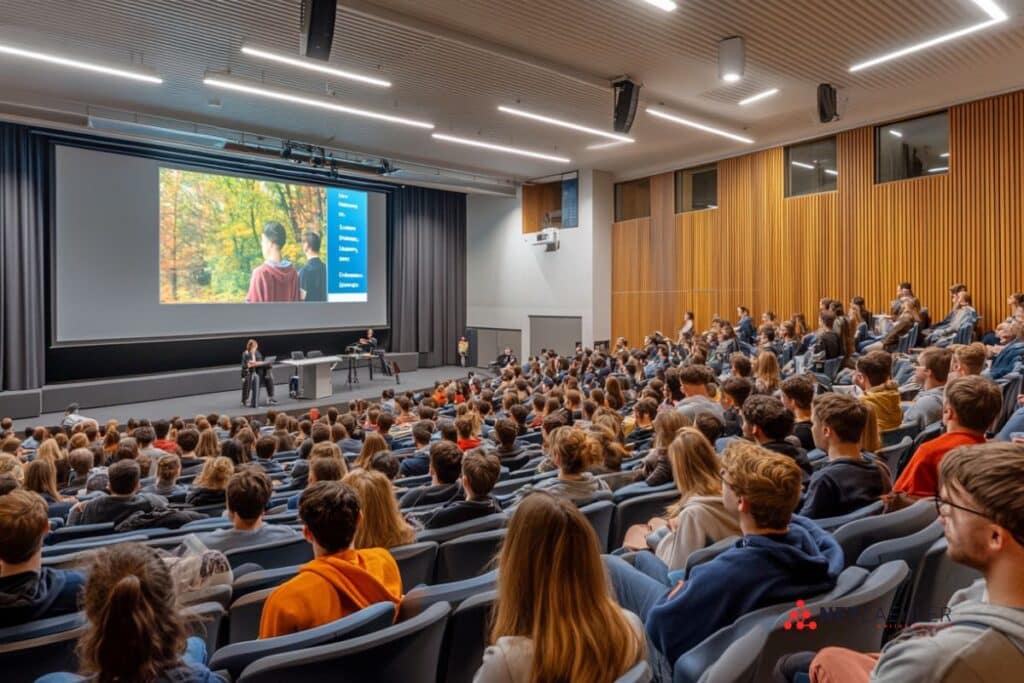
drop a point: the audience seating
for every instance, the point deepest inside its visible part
(640, 672)
(599, 514)
(27, 660)
(207, 618)
(416, 563)
(407, 652)
(496, 521)
(833, 523)
(896, 454)
(41, 627)
(1011, 389)
(219, 593)
(465, 638)
(244, 615)
(938, 577)
(79, 532)
(419, 599)
(690, 666)
(235, 657)
(707, 554)
(891, 437)
(638, 510)
(468, 555)
(272, 555)
(859, 535)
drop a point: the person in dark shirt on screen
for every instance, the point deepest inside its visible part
(313, 276)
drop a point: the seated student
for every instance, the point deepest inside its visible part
(160, 430)
(445, 468)
(735, 391)
(480, 472)
(520, 414)
(124, 498)
(573, 452)
(382, 523)
(696, 520)
(968, 359)
(931, 371)
(29, 591)
(188, 442)
(210, 487)
(386, 463)
(265, 448)
(979, 636)
(385, 421)
(781, 558)
(321, 468)
(972, 404)
(797, 394)
(873, 377)
(555, 618)
(41, 478)
(350, 444)
(340, 580)
(505, 432)
(465, 426)
(848, 481)
(136, 630)
(1011, 336)
(551, 423)
(644, 412)
(81, 461)
(248, 492)
(694, 380)
(767, 423)
(418, 463)
(168, 469)
(656, 468)
(827, 344)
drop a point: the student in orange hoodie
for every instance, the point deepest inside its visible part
(340, 580)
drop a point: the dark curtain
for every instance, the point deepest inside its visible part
(427, 273)
(24, 172)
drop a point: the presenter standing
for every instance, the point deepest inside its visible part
(250, 357)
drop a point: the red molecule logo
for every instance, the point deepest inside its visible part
(800, 619)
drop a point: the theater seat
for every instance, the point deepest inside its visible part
(419, 599)
(833, 523)
(416, 563)
(856, 536)
(465, 638)
(467, 556)
(27, 660)
(407, 652)
(272, 555)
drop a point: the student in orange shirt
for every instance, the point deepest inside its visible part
(971, 405)
(465, 427)
(340, 580)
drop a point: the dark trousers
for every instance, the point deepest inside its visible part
(247, 384)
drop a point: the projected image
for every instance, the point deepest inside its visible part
(229, 239)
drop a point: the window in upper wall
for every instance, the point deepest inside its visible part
(912, 148)
(697, 188)
(811, 167)
(633, 199)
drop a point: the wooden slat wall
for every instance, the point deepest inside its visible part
(766, 251)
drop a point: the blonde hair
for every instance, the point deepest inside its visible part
(666, 425)
(50, 450)
(383, 525)
(10, 466)
(695, 468)
(552, 588)
(769, 482)
(767, 372)
(373, 444)
(215, 474)
(574, 451)
(41, 477)
(209, 445)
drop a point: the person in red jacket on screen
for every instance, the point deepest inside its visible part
(276, 278)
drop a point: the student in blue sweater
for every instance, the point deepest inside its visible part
(780, 559)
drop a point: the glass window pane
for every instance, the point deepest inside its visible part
(696, 189)
(811, 167)
(633, 199)
(912, 148)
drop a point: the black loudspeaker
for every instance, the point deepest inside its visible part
(827, 103)
(626, 95)
(317, 28)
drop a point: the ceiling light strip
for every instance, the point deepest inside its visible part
(75, 63)
(699, 126)
(312, 65)
(667, 5)
(995, 14)
(498, 148)
(758, 96)
(563, 123)
(802, 165)
(261, 90)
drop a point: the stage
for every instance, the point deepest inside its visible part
(228, 402)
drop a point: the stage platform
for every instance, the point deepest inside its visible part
(228, 402)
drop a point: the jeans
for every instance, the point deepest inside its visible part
(651, 565)
(638, 592)
(1014, 424)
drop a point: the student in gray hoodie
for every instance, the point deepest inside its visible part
(982, 637)
(931, 372)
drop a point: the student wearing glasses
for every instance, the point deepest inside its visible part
(981, 636)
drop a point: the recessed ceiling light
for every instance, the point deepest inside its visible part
(731, 77)
(564, 124)
(938, 169)
(699, 126)
(831, 171)
(802, 164)
(989, 7)
(499, 148)
(606, 145)
(262, 90)
(667, 5)
(758, 96)
(312, 65)
(135, 74)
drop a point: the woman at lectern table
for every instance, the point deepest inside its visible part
(250, 357)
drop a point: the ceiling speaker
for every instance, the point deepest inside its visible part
(627, 94)
(827, 103)
(317, 28)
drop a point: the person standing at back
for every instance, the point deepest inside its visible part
(313, 276)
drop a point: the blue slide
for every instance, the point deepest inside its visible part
(346, 245)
